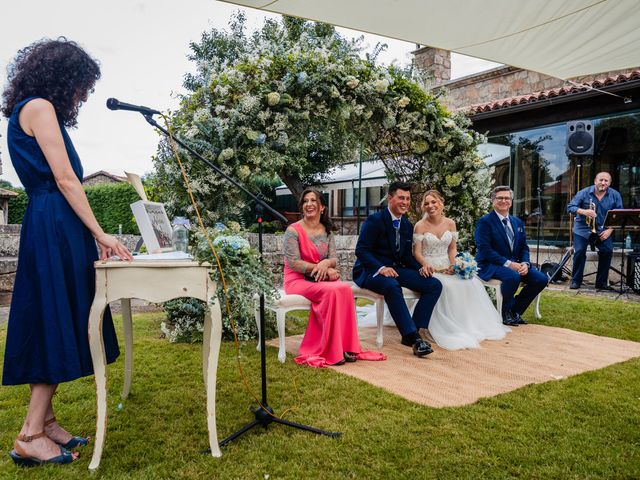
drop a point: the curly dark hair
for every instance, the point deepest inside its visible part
(56, 70)
(324, 217)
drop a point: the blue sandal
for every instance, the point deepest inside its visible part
(19, 457)
(74, 442)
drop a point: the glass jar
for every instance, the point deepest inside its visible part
(181, 234)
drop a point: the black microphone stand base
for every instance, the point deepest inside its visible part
(264, 416)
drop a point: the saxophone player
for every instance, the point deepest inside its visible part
(590, 206)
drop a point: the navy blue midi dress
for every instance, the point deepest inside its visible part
(47, 336)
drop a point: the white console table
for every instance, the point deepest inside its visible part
(154, 281)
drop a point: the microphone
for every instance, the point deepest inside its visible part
(114, 104)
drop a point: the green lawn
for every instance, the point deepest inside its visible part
(586, 426)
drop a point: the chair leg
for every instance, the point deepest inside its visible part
(380, 321)
(282, 353)
(498, 299)
(536, 311)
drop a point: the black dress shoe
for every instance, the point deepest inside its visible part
(574, 286)
(507, 319)
(421, 348)
(350, 357)
(607, 288)
(518, 318)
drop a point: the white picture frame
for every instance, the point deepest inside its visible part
(154, 226)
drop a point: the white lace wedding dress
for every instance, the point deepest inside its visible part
(464, 314)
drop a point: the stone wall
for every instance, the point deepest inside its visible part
(273, 245)
(436, 62)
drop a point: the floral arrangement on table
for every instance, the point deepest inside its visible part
(245, 274)
(465, 266)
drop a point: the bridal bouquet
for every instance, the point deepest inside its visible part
(465, 266)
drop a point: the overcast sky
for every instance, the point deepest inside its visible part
(142, 47)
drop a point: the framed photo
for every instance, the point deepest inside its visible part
(154, 226)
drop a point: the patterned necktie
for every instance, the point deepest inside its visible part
(507, 228)
(396, 226)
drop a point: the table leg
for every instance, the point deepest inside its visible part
(210, 352)
(127, 327)
(96, 345)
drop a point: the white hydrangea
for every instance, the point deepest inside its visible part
(273, 98)
(381, 86)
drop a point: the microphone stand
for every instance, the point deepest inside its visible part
(538, 190)
(263, 413)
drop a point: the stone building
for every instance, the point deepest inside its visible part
(101, 177)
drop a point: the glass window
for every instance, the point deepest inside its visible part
(538, 163)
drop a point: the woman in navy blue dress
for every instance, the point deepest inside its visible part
(47, 340)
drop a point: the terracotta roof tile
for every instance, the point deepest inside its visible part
(568, 89)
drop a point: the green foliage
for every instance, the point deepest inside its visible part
(110, 203)
(244, 274)
(295, 99)
(17, 205)
(185, 320)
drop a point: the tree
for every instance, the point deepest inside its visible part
(294, 99)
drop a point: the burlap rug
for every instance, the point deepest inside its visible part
(529, 354)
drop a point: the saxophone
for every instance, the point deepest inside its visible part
(591, 221)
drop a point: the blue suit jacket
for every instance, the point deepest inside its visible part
(493, 245)
(376, 246)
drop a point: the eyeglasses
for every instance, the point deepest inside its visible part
(503, 199)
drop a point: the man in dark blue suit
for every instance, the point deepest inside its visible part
(385, 264)
(503, 254)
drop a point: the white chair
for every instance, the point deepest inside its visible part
(288, 303)
(496, 284)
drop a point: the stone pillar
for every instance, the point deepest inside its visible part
(436, 62)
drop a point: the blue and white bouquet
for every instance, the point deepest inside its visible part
(465, 266)
(233, 243)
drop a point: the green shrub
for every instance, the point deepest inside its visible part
(185, 320)
(245, 276)
(110, 204)
(17, 205)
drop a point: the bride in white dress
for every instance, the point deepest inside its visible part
(464, 314)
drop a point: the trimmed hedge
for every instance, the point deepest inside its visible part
(109, 202)
(17, 205)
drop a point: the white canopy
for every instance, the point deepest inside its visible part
(561, 38)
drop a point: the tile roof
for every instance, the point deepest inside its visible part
(569, 89)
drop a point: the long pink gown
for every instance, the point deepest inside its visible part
(332, 328)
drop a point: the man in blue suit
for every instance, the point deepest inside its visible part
(385, 264)
(503, 254)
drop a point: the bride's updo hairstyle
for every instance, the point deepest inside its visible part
(435, 194)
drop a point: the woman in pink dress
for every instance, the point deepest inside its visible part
(310, 270)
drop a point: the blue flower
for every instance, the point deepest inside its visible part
(220, 226)
(235, 243)
(301, 77)
(261, 139)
